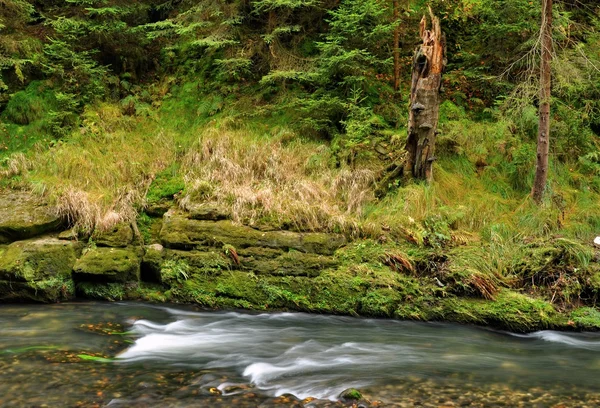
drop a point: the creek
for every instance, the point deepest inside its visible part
(142, 355)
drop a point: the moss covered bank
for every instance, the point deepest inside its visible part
(216, 263)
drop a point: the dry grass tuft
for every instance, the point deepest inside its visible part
(486, 286)
(261, 180)
(101, 175)
(16, 164)
(79, 209)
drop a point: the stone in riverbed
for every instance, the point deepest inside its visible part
(23, 216)
(351, 394)
(108, 265)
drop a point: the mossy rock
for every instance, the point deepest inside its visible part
(55, 289)
(292, 263)
(120, 236)
(201, 262)
(240, 286)
(207, 212)
(151, 263)
(585, 318)
(24, 216)
(158, 208)
(37, 259)
(351, 394)
(107, 265)
(510, 310)
(179, 232)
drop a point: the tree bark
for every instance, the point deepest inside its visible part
(428, 65)
(396, 17)
(543, 144)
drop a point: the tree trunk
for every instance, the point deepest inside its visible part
(543, 144)
(428, 64)
(396, 16)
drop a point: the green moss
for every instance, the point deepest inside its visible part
(587, 318)
(166, 184)
(380, 302)
(54, 289)
(351, 394)
(174, 271)
(120, 236)
(180, 232)
(202, 263)
(23, 216)
(240, 285)
(35, 260)
(101, 291)
(510, 310)
(152, 293)
(149, 228)
(108, 265)
(57, 288)
(291, 263)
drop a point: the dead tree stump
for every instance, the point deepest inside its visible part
(428, 65)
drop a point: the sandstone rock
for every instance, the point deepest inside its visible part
(37, 259)
(151, 263)
(120, 236)
(291, 263)
(108, 265)
(23, 216)
(37, 270)
(158, 209)
(179, 232)
(206, 211)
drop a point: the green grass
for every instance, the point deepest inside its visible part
(27, 119)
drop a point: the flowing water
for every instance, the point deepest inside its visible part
(140, 355)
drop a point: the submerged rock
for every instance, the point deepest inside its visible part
(23, 216)
(108, 265)
(351, 394)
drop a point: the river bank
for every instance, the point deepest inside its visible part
(202, 257)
